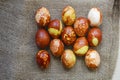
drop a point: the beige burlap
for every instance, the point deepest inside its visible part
(18, 48)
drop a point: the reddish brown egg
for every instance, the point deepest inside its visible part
(42, 38)
(68, 35)
(92, 59)
(42, 17)
(43, 59)
(94, 36)
(68, 58)
(55, 28)
(81, 26)
(81, 46)
(56, 47)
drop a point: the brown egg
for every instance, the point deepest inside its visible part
(81, 26)
(68, 15)
(68, 35)
(94, 37)
(92, 59)
(43, 59)
(80, 47)
(42, 38)
(55, 28)
(42, 17)
(56, 47)
(68, 58)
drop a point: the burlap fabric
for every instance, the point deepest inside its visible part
(18, 48)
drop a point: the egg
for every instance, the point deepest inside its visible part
(92, 59)
(95, 17)
(68, 58)
(68, 15)
(56, 47)
(43, 59)
(42, 17)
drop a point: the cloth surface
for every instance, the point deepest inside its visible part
(18, 48)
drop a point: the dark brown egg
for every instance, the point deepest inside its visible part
(43, 59)
(68, 35)
(80, 47)
(94, 37)
(55, 28)
(42, 38)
